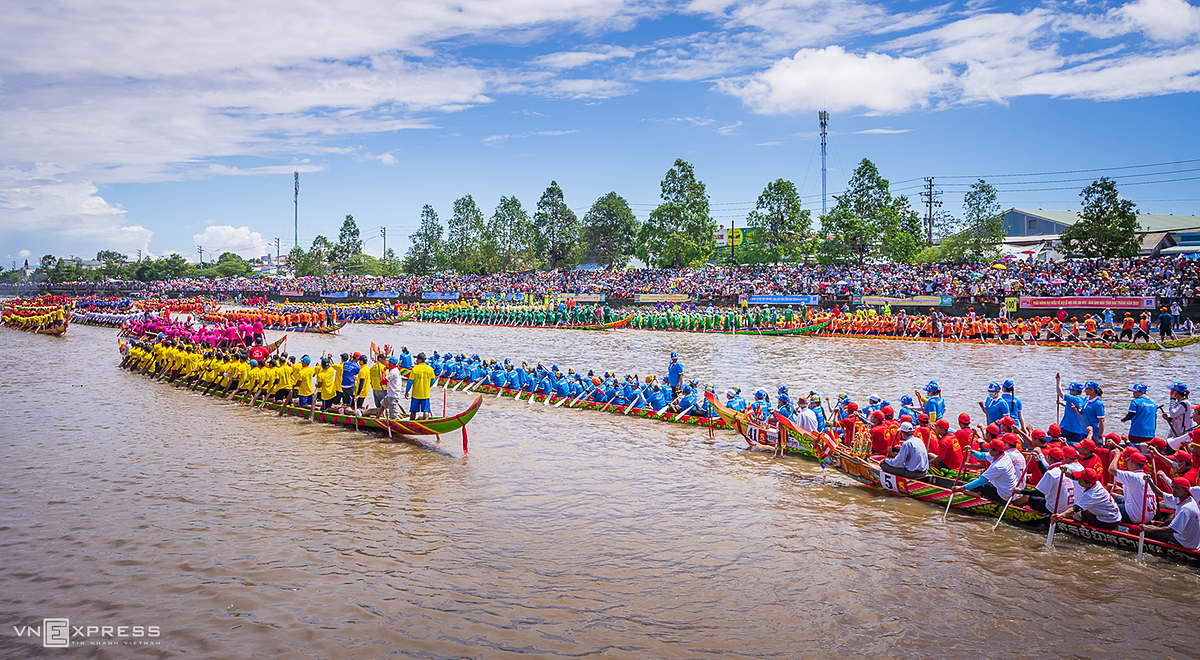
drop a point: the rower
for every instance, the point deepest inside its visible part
(805, 418)
(1053, 489)
(734, 401)
(906, 407)
(1184, 528)
(1139, 503)
(1015, 407)
(911, 460)
(998, 480)
(814, 404)
(1093, 504)
(761, 407)
(784, 407)
(675, 375)
(1141, 415)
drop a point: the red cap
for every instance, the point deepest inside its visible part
(1182, 483)
(1087, 474)
(1054, 430)
(888, 411)
(1182, 456)
(964, 418)
(923, 417)
(993, 429)
(905, 418)
(1159, 444)
(1113, 436)
(1136, 456)
(996, 445)
(356, 355)
(1038, 434)
(1069, 452)
(1007, 421)
(942, 424)
(852, 407)
(1088, 445)
(878, 414)
(1011, 439)
(1055, 454)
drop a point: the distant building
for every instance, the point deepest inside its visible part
(1038, 233)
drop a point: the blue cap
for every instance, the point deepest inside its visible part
(674, 355)
(1091, 385)
(1138, 387)
(760, 394)
(393, 360)
(254, 363)
(1179, 387)
(932, 386)
(1075, 386)
(906, 400)
(783, 389)
(305, 359)
(993, 387)
(1008, 384)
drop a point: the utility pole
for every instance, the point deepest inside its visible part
(201, 249)
(296, 201)
(732, 245)
(932, 198)
(383, 233)
(276, 255)
(824, 117)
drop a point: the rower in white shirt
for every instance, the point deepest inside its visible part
(1094, 505)
(998, 480)
(1184, 528)
(911, 459)
(1140, 503)
(1053, 479)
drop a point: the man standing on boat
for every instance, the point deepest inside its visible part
(675, 375)
(421, 376)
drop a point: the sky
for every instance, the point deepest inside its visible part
(164, 127)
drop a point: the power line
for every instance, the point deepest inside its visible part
(1097, 169)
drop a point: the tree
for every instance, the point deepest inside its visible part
(389, 265)
(349, 246)
(110, 255)
(900, 227)
(309, 263)
(608, 232)
(1107, 226)
(555, 227)
(232, 265)
(507, 236)
(680, 230)
(982, 230)
(781, 225)
(464, 237)
(425, 253)
(868, 224)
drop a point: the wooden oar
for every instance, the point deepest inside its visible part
(1054, 507)
(1142, 525)
(961, 469)
(632, 403)
(682, 413)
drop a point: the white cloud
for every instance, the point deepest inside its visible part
(495, 140)
(217, 239)
(1164, 20)
(24, 254)
(68, 215)
(729, 129)
(226, 170)
(882, 131)
(833, 79)
(576, 58)
(387, 159)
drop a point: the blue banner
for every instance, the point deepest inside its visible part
(784, 300)
(439, 295)
(383, 294)
(335, 294)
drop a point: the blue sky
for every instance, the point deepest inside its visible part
(160, 129)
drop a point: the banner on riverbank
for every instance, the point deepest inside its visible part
(783, 300)
(505, 297)
(383, 294)
(582, 297)
(1087, 301)
(291, 292)
(335, 294)
(439, 295)
(661, 297)
(916, 301)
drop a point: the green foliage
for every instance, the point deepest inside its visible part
(110, 255)
(464, 239)
(310, 263)
(425, 253)
(389, 265)
(983, 228)
(680, 230)
(507, 239)
(608, 232)
(1107, 227)
(782, 226)
(348, 251)
(555, 228)
(868, 224)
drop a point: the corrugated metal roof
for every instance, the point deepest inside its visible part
(1150, 222)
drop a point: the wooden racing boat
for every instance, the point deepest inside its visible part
(611, 325)
(325, 330)
(753, 331)
(55, 331)
(1085, 343)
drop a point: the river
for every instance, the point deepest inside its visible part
(563, 533)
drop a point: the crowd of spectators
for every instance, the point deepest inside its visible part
(1166, 277)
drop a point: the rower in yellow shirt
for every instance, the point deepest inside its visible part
(421, 377)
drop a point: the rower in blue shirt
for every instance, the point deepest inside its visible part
(906, 408)
(689, 402)
(760, 408)
(1093, 409)
(814, 404)
(1071, 424)
(562, 387)
(1015, 408)
(785, 403)
(993, 406)
(674, 377)
(1142, 415)
(498, 377)
(934, 405)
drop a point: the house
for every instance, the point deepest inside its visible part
(1038, 232)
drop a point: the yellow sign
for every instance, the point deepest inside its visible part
(736, 237)
(1010, 304)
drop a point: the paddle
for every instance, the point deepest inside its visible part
(633, 403)
(1054, 508)
(961, 469)
(682, 413)
(1142, 526)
